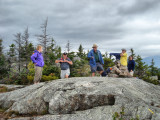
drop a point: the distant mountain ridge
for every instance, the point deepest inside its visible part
(148, 60)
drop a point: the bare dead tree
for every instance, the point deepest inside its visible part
(26, 42)
(18, 41)
(68, 46)
(44, 38)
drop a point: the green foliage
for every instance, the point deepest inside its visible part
(132, 53)
(3, 66)
(153, 69)
(1, 47)
(3, 89)
(140, 67)
(108, 62)
(121, 115)
(3, 63)
(145, 72)
(11, 52)
(49, 77)
(49, 73)
(31, 69)
(80, 52)
(49, 69)
(148, 79)
(80, 68)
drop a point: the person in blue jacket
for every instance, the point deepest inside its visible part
(95, 60)
(131, 65)
(37, 59)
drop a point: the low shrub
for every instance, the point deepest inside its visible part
(3, 89)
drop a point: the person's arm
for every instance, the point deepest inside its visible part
(90, 56)
(58, 61)
(69, 61)
(123, 54)
(33, 58)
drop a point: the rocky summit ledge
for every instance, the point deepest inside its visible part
(12, 87)
(84, 98)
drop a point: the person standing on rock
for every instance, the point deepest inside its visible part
(65, 63)
(131, 65)
(96, 60)
(123, 58)
(37, 59)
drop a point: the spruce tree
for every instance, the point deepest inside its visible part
(80, 51)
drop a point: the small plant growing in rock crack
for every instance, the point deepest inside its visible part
(120, 116)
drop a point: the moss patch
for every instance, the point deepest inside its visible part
(3, 89)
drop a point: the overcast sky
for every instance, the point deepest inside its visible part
(111, 24)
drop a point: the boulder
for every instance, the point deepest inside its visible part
(84, 98)
(119, 70)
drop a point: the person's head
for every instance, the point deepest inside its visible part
(64, 55)
(94, 47)
(124, 50)
(39, 48)
(130, 57)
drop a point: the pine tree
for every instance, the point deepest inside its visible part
(26, 50)
(132, 53)
(30, 50)
(153, 69)
(80, 51)
(3, 68)
(59, 52)
(1, 47)
(51, 52)
(140, 67)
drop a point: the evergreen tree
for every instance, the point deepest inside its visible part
(140, 67)
(132, 53)
(30, 50)
(26, 50)
(51, 52)
(153, 69)
(11, 55)
(1, 47)
(3, 66)
(59, 52)
(80, 51)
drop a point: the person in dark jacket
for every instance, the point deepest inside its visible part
(96, 60)
(37, 59)
(131, 65)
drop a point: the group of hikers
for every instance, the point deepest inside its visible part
(95, 60)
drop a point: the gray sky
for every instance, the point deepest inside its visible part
(112, 24)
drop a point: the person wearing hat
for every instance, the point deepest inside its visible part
(65, 63)
(123, 58)
(96, 60)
